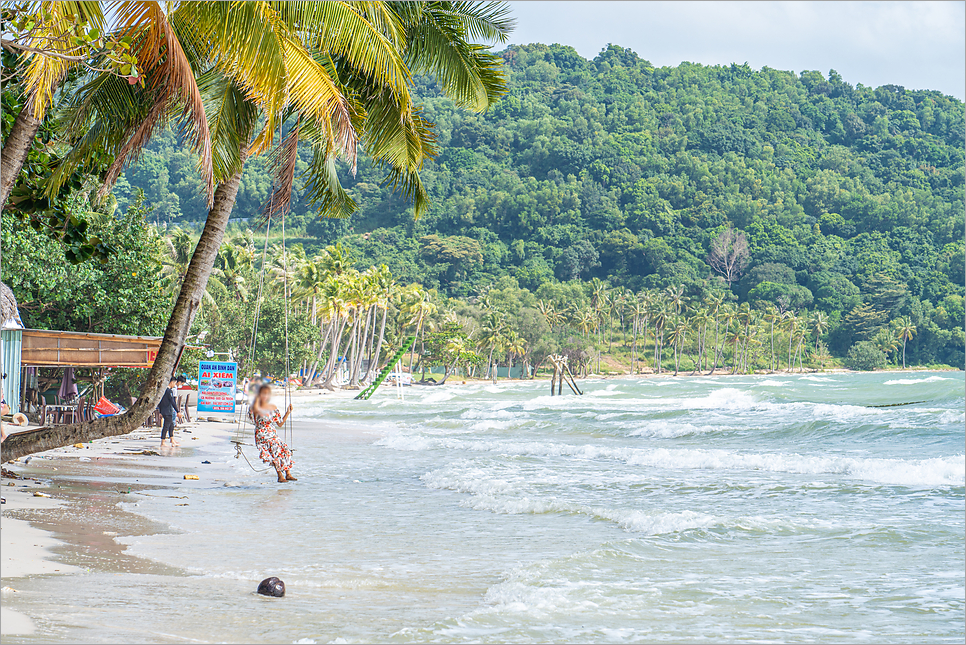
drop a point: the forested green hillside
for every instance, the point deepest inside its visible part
(850, 199)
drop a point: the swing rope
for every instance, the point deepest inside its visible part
(287, 431)
(288, 368)
(242, 414)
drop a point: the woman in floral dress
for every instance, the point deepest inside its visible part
(267, 420)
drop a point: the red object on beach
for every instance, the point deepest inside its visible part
(106, 407)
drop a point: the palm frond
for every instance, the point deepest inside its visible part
(438, 46)
(170, 76)
(283, 165)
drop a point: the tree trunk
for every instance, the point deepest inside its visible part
(16, 148)
(903, 352)
(357, 359)
(772, 362)
(189, 299)
(374, 363)
(324, 338)
(714, 363)
(412, 355)
(333, 366)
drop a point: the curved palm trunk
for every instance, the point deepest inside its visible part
(772, 361)
(357, 360)
(714, 363)
(374, 364)
(903, 351)
(16, 148)
(324, 339)
(412, 355)
(791, 335)
(332, 368)
(185, 308)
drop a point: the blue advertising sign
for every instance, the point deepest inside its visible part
(216, 386)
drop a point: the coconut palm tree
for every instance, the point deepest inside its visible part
(384, 287)
(660, 313)
(744, 318)
(700, 322)
(548, 311)
(714, 303)
(490, 335)
(772, 315)
(677, 334)
(514, 345)
(152, 52)
(790, 323)
(820, 325)
(905, 330)
(638, 310)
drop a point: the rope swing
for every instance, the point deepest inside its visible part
(242, 420)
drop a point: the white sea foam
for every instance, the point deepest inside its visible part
(498, 496)
(670, 430)
(940, 471)
(440, 396)
(912, 381)
(952, 417)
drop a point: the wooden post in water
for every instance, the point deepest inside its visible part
(561, 374)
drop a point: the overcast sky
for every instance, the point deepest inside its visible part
(920, 45)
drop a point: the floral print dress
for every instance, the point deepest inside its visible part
(271, 449)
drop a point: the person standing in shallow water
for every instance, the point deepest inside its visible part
(267, 420)
(168, 407)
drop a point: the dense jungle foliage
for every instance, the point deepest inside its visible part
(850, 198)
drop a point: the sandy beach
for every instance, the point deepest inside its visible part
(64, 505)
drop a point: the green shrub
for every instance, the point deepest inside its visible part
(864, 355)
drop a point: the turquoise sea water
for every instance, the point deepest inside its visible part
(778, 508)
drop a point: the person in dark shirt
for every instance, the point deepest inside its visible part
(168, 407)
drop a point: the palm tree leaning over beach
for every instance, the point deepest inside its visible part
(268, 72)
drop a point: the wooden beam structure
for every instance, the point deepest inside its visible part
(561, 375)
(49, 348)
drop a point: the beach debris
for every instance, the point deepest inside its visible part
(78, 445)
(206, 462)
(272, 587)
(109, 533)
(8, 590)
(39, 494)
(84, 459)
(191, 476)
(180, 504)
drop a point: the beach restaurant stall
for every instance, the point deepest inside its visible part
(44, 349)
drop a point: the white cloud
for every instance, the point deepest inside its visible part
(920, 45)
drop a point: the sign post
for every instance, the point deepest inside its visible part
(216, 386)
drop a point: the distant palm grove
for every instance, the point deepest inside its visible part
(634, 218)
